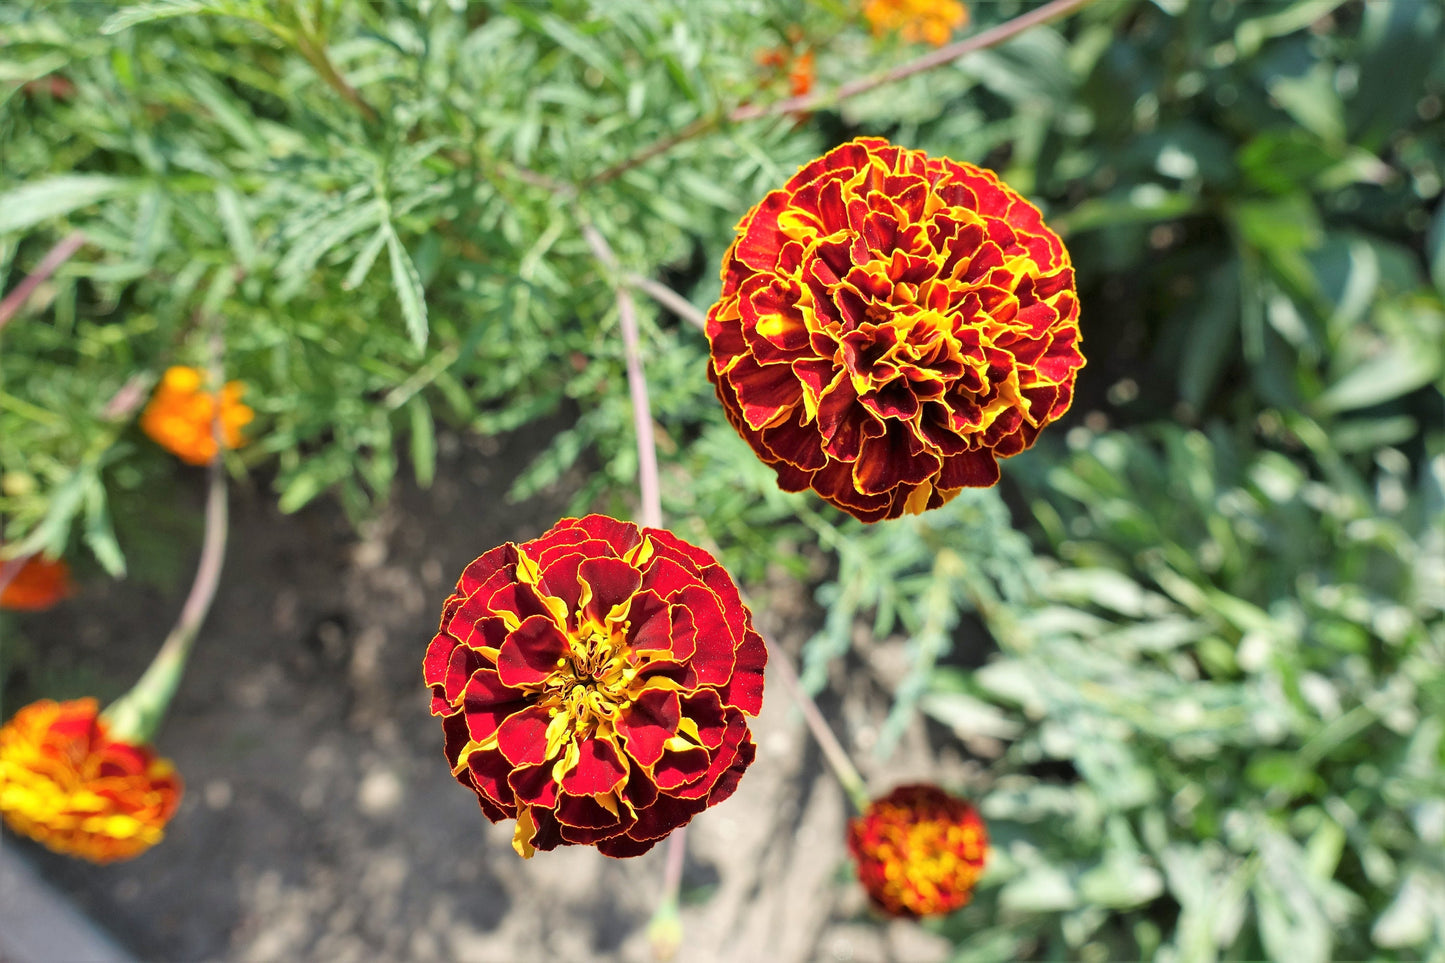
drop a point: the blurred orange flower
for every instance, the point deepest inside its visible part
(919, 851)
(180, 415)
(38, 585)
(933, 21)
(66, 784)
(799, 66)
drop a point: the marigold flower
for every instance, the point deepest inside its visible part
(181, 415)
(919, 851)
(890, 325)
(66, 784)
(38, 585)
(594, 684)
(930, 20)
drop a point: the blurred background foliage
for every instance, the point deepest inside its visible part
(1196, 638)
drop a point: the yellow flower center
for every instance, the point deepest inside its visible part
(590, 684)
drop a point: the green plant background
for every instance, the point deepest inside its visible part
(1212, 701)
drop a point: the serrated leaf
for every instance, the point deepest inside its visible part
(365, 258)
(236, 225)
(408, 289)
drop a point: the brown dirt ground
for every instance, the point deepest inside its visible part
(320, 822)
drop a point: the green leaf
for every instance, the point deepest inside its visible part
(99, 534)
(30, 204)
(164, 10)
(361, 266)
(236, 225)
(408, 289)
(1395, 371)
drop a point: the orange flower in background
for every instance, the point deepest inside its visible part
(594, 684)
(67, 785)
(38, 585)
(890, 325)
(933, 21)
(919, 851)
(799, 67)
(180, 415)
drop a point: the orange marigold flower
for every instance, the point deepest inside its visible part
(890, 325)
(38, 585)
(919, 851)
(67, 785)
(930, 20)
(180, 415)
(800, 67)
(594, 684)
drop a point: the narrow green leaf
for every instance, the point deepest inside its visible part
(236, 225)
(162, 10)
(30, 204)
(408, 289)
(361, 266)
(99, 535)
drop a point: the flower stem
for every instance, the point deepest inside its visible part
(991, 37)
(48, 265)
(136, 716)
(833, 751)
(647, 478)
(669, 299)
(804, 103)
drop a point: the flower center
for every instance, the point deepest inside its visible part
(590, 683)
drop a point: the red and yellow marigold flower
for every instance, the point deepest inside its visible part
(66, 784)
(38, 585)
(181, 415)
(594, 684)
(919, 851)
(890, 325)
(933, 21)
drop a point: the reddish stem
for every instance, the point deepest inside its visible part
(57, 256)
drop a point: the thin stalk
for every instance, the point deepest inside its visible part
(314, 50)
(669, 299)
(136, 716)
(647, 477)
(830, 98)
(48, 265)
(833, 751)
(991, 37)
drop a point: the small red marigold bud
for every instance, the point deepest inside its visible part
(919, 851)
(891, 325)
(66, 784)
(594, 685)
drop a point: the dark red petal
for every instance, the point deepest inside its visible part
(454, 731)
(667, 577)
(584, 812)
(522, 736)
(489, 776)
(534, 785)
(970, 469)
(483, 568)
(706, 711)
(728, 781)
(622, 847)
(520, 600)
(697, 619)
(765, 393)
(531, 652)
(475, 625)
(650, 624)
(724, 758)
(487, 702)
(680, 767)
(600, 768)
(622, 536)
(613, 582)
(648, 723)
(665, 815)
(893, 459)
(745, 689)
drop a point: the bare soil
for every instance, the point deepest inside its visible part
(320, 821)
